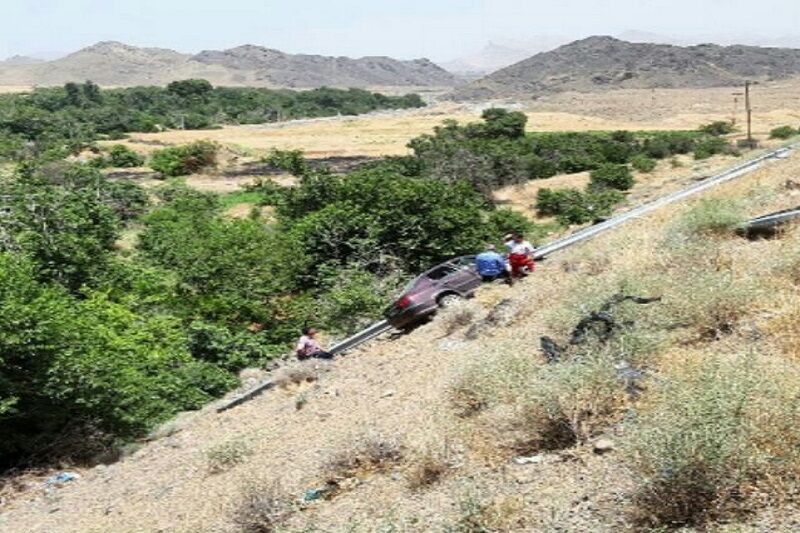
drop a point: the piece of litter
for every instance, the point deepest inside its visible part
(534, 459)
(61, 478)
(602, 446)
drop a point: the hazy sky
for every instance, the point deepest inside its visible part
(439, 29)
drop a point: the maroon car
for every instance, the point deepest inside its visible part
(438, 287)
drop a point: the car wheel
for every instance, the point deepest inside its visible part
(448, 300)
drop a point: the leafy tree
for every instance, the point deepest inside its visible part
(198, 89)
(34, 327)
(92, 93)
(572, 206)
(74, 96)
(63, 218)
(501, 123)
(63, 120)
(87, 370)
(227, 269)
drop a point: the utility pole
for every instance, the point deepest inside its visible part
(749, 111)
(735, 107)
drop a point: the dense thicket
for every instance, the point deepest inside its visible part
(98, 343)
(97, 346)
(56, 121)
(498, 152)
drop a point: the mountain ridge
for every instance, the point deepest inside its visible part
(602, 62)
(119, 64)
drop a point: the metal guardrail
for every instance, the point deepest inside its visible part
(587, 233)
(730, 174)
(361, 337)
(249, 394)
(349, 343)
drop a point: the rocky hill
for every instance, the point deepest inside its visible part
(266, 66)
(113, 63)
(600, 63)
(19, 60)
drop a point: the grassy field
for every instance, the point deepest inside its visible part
(388, 133)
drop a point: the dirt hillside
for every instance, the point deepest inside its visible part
(384, 422)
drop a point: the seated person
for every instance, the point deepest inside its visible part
(491, 265)
(308, 346)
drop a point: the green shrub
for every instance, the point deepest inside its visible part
(718, 128)
(782, 132)
(353, 296)
(642, 163)
(612, 176)
(121, 156)
(225, 349)
(87, 371)
(712, 216)
(572, 206)
(553, 202)
(709, 302)
(710, 146)
(184, 160)
(126, 198)
(721, 431)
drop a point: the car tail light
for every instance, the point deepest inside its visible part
(403, 302)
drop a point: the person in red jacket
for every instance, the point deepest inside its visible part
(520, 255)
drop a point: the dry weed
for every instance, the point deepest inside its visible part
(712, 303)
(428, 466)
(715, 439)
(481, 514)
(712, 216)
(262, 508)
(226, 455)
(529, 406)
(296, 374)
(457, 316)
(367, 454)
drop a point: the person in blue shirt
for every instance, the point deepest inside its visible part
(491, 265)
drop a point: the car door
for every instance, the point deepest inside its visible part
(465, 278)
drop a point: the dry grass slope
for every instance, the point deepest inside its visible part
(698, 393)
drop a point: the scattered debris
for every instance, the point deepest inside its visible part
(312, 495)
(600, 324)
(551, 350)
(605, 319)
(61, 479)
